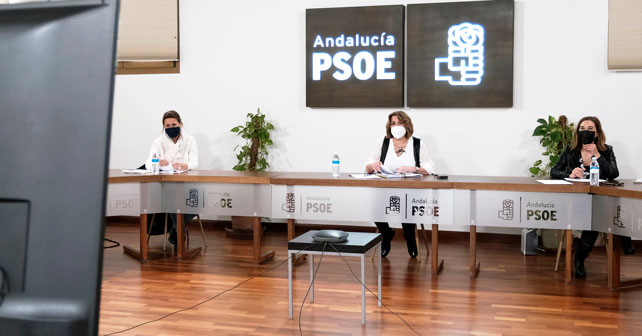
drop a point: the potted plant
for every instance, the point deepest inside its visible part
(252, 156)
(555, 135)
(256, 131)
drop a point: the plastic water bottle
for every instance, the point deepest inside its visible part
(595, 172)
(336, 164)
(155, 165)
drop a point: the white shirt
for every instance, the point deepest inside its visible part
(183, 151)
(406, 159)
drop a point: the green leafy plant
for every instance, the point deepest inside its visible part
(253, 155)
(556, 135)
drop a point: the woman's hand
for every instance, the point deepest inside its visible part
(163, 162)
(591, 148)
(179, 166)
(376, 167)
(406, 169)
(577, 173)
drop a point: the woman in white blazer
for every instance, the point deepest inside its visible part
(174, 150)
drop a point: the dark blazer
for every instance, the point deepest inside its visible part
(570, 160)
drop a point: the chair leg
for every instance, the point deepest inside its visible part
(187, 232)
(200, 223)
(149, 231)
(559, 251)
(375, 249)
(165, 235)
(417, 243)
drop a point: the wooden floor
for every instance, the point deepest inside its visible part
(514, 295)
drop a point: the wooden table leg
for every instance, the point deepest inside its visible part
(182, 253)
(291, 232)
(474, 265)
(437, 265)
(423, 231)
(568, 254)
(613, 248)
(291, 229)
(613, 252)
(142, 253)
(258, 257)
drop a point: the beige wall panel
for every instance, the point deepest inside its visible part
(625, 35)
(148, 30)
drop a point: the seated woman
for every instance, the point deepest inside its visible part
(588, 141)
(404, 156)
(177, 150)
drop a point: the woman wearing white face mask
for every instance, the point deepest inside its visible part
(404, 154)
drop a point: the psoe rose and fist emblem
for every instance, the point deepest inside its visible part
(465, 60)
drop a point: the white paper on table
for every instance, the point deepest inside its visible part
(391, 175)
(580, 180)
(365, 176)
(386, 170)
(135, 171)
(553, 182)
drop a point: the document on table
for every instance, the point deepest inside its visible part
(172, 171)
(411, 175)
(580, 180)
(398, 175)
(365, 176)
(553, 182)
(135, 171)
(387, 173)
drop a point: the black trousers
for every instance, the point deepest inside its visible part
(160, 217)
(588, 240)
(408, 230)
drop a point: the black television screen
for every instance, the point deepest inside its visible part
(460, 54)
(56, 90)
(355, 56)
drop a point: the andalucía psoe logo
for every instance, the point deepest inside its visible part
(617, 220)
(395, 205)
(288, 206)
(508, 209)
(465, 55)
(192, 200)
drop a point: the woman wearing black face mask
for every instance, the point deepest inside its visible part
(174, 150)
(588, 142)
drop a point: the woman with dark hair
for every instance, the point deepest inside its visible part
(400, 152)
(174, 147)
(175, 150)
(588, 142)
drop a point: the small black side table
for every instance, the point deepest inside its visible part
(357, 245)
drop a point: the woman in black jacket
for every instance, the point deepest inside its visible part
(588, 142)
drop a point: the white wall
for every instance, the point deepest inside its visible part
(240, 55)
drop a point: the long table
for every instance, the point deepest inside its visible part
(463, 200)
(516, 202)
(204, 192)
